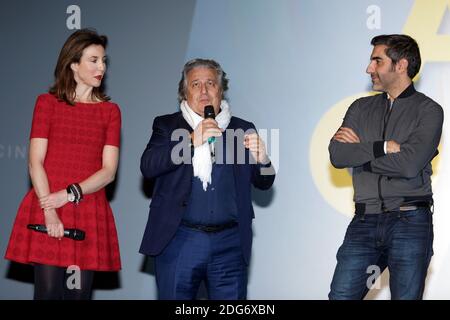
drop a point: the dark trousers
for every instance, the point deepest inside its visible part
(194, 256)
(400, 241)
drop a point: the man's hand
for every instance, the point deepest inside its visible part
(346, 135)
(257, 147)
(392, 147)
(205, 129)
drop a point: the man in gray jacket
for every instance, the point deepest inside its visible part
(389, 141)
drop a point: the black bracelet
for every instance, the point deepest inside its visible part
(75, 189)
(79, 190)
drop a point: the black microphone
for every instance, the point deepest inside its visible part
(210, 114)
(74, 234)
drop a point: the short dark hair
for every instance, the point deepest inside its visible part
(205, 63)
(401, 46)
(72, 50)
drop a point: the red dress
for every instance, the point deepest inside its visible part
(76, 137)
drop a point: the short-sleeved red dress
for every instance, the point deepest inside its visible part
(76, 137)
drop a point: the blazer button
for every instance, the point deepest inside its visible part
(184, 203)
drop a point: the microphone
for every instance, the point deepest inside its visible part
(74, 234)
(210, 114)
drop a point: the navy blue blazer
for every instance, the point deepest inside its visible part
(173, 183)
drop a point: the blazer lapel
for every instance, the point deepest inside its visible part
(182, 123)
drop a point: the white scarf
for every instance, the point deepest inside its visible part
(202, 162)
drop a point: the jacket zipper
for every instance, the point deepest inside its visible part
(386, 121)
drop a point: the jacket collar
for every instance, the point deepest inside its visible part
(182, 123)
(409, 91)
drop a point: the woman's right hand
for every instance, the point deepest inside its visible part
(55, 227)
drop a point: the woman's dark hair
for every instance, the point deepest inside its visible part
(401, 46)
(71, 52)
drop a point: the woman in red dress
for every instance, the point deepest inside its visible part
(73, 155)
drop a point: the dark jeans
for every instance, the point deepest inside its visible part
(400, 241)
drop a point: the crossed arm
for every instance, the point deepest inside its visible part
(347, 135)
(346, 148)
(389, 158)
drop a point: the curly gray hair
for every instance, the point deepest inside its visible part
(206, 63)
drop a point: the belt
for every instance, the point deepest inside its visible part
(360, 207)
(210, 228)
(414, 206)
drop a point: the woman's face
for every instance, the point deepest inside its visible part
(91, 68)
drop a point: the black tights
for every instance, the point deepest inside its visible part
(50, 283)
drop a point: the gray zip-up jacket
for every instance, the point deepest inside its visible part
(383, 182)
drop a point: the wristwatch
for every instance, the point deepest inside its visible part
(70, 195)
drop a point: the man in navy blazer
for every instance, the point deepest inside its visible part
(200, 221)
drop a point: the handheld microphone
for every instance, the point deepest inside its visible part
(210, 114)
(74, 234)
